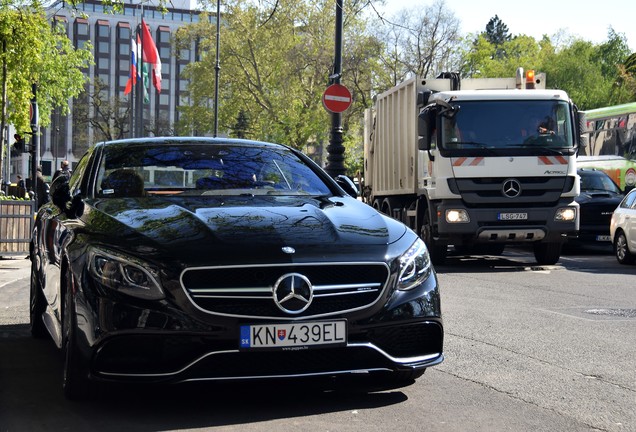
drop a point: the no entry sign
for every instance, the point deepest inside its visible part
(336, 98)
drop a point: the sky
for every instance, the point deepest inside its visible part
(589, 20)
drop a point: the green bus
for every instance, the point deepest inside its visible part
(609, 136)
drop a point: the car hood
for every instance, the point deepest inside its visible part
(599, 198)
(246, 225)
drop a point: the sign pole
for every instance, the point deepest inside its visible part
(335, 149)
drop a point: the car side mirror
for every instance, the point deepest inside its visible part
(347, 185)
(60, 192)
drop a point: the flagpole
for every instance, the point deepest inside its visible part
(133, 88)
(140, 89)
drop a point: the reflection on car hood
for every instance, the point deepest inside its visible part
(188, 224)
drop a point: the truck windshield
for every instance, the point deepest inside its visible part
(508, 127)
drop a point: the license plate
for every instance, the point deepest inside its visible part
(603, 238)
(512, 216)
(299, 335)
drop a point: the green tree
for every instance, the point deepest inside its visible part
(34, 52)
(275, 65)
(497, 34)
(108, 117)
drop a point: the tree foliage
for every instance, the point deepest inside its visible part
(275, 63)
(34, 51)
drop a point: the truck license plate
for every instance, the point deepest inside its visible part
(290, 335)
(512, 216)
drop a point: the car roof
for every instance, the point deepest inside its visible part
(189, 140)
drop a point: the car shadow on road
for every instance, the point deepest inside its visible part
(30, 373)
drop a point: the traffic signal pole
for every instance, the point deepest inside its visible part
(35, 142)
(335, 149)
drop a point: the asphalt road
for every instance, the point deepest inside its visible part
(528, 348)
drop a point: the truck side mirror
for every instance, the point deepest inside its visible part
(424, 140)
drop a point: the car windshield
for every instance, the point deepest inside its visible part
(597, 182)
(204, 169)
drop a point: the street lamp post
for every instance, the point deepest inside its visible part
(335, 149)
(217, 69)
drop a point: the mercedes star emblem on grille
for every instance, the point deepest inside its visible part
(511, 188)
(293, 293)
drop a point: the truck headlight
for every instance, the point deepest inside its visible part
(565, 214)
(124, 274)
(415, 266)
(457, 216)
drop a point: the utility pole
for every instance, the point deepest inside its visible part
(335, 149)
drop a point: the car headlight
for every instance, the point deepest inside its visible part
(124, 274)
(415, 266)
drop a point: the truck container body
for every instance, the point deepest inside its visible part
(477, 168)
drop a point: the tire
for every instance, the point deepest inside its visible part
(75, 374)
(621, 250)
(437, 250)
(37, 304)
(495, 249)
(547, 253)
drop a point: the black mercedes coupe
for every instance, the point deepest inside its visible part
(168, 260)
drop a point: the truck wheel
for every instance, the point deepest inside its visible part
(547, 253)
(496, 249)
(437, 250)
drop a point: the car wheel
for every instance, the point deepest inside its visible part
(623, 255)
(75, 376)
(547, 253)
(37, 304)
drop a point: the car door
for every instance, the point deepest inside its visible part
(630, 221)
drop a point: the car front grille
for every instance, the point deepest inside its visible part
(247, 291)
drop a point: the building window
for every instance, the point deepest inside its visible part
(103, 31)
(164, 37)
(124, 33)
(82, 29)
(103, 63)
(164, 52)
(124, 49)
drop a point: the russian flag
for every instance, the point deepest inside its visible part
(132, 79)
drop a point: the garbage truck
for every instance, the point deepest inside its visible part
(474, 165)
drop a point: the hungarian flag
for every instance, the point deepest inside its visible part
(132, 78)
(151, 55)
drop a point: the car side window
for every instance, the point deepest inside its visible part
(630, 200)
